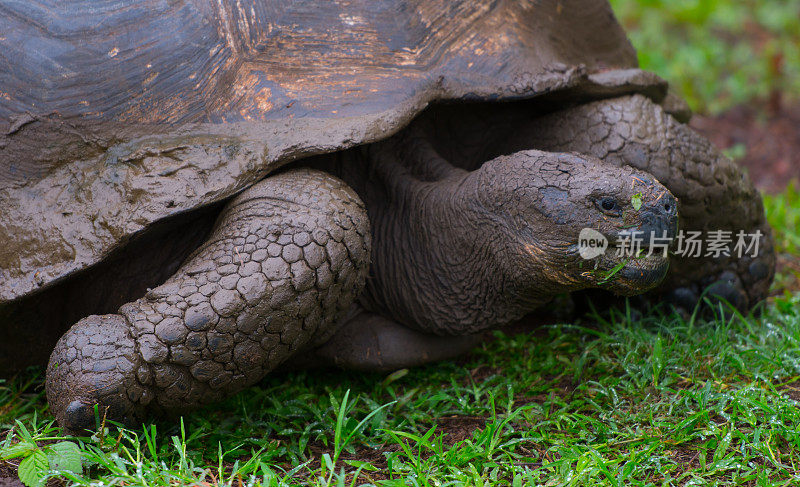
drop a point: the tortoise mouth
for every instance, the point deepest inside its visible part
(646, 272)
(634, 275)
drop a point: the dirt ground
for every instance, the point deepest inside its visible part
(771, 141)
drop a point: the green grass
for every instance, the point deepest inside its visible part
(783, 214)
(718, 53)
(616, 398)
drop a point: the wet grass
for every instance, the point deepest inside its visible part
(616, 398)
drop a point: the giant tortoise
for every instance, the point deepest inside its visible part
(196, 192)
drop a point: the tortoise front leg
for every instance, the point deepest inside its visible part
(285, 261)
(713, 192)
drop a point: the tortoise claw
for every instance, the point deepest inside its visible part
(78, 416)
(726, 289)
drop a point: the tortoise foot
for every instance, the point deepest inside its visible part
(726, 289)
(93, 374)
(741, 282)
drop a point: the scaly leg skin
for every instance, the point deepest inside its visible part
(713, 192)
(284, 263)
(370, 342)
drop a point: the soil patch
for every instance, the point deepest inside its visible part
(771, 141)
(8, 475)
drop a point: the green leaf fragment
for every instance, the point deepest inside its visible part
(33, 469)
(636, 201)
(17, 450)
(65, 455)
(613, 272)
(361, 464)
(398, 374)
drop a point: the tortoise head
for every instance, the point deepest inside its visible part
(572, 221)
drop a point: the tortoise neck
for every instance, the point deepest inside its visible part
(435, 261)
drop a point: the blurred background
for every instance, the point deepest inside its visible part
(737, 63)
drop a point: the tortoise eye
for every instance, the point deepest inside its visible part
(608, 205)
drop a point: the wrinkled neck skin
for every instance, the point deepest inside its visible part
(444, 259)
